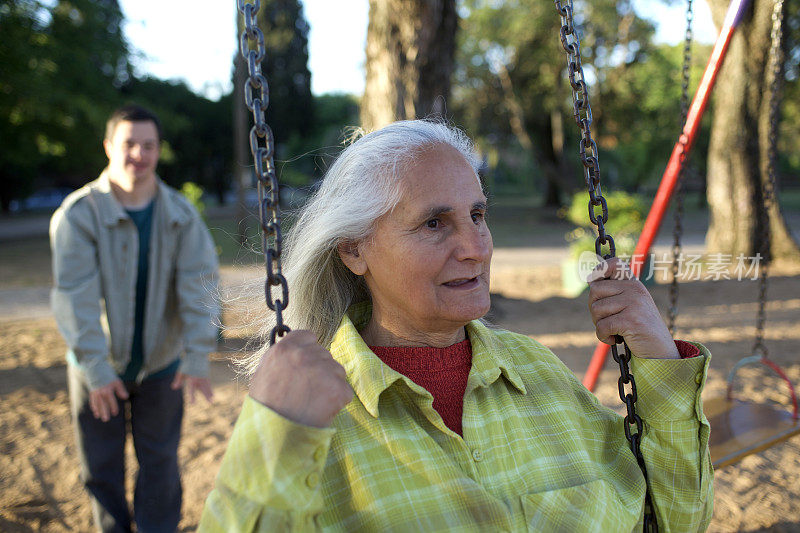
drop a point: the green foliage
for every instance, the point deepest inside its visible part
(68, 68)
(513, 171)
(300, 122)
(291, 107)
(520, 38)
(198, 133)
(308, 156)
(62, 63)
(626, 214)
(641, 116)
(65, 68)
(510, 57)
(194, 193)
(789, 132)
(634, 87)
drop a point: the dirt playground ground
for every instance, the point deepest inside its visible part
(39, 485)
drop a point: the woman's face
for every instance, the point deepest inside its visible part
(427, 263)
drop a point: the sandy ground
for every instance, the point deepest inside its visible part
(40, 489)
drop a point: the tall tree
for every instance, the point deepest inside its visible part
(512, 81)
(291, 107)
(410, 52)
(737, 157)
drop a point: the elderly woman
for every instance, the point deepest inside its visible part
(392, 406)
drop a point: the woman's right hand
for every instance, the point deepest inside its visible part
(299, 379)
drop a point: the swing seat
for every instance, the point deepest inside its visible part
(739, 429)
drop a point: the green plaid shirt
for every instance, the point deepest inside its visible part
(539, 453)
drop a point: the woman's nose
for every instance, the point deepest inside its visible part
(474, 243)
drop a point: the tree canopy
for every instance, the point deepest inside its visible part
(63, 63)
(512, 92)
(67, 66)
(291, 107)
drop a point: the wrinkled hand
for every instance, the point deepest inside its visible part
(192, 384)
(103, 400)
(621, 305)
(299, 379)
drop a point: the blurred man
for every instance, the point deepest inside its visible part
(135, 275)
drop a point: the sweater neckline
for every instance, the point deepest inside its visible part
(405, 359)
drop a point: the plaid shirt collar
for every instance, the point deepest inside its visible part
(370, 377)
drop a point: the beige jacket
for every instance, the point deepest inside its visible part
(95, 250)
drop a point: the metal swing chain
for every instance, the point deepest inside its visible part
(262, 146)
(582, 112)
(679, 192)
(768, 184)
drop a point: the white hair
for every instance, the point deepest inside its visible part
(362, 185)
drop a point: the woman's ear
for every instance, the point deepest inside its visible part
(352, 258)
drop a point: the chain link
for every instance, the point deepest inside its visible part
(677, 232)
(582, 113)
(262, 146)
(768, 183)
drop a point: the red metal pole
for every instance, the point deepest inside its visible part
(670, 177)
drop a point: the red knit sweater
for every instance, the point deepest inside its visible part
(441, 371)
(444, 371)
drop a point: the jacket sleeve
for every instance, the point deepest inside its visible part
(675, 439)
(197, 275)
(76, 296)
(270, 476)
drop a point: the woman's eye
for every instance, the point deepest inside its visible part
(477, 217)
(433, 223)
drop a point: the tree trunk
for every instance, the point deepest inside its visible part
(243, 162)
(737, 155)
(551, 160)
(410, 54)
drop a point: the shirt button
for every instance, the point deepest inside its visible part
(319, 454)
(477, 455)
(698, 378)
(312, 480)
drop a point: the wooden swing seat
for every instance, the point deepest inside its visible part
(739, 429)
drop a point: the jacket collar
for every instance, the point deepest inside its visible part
(111, 211)
(492, 358)
(370, 377)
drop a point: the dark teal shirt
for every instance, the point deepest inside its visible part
(143, 218)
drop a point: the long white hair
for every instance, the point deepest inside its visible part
(362, 185)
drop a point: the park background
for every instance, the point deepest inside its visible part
(64, 66)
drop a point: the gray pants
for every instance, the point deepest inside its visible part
(154, 412)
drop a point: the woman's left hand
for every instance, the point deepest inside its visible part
(621, 305)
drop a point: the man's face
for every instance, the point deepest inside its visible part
(133, 151)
